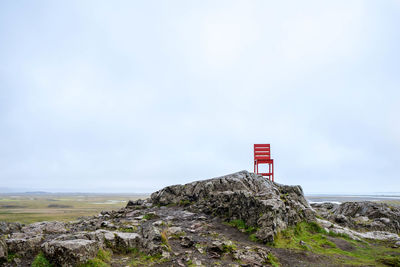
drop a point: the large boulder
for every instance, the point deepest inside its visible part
(126, 241)
(68, 253)
(24, 245)
(114, 240)
(267, 206)
(151, 238)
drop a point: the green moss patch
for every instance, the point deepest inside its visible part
(273, 260)
(241, 225)
(41, 261)
(312, 237)
(142, 259)
(102, 259)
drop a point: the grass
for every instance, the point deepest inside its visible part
(254, 238)
(190, 263)
(317, 241)
(11, 257)
(128, 230)
(229, 248)
(185, 203)
(29, 208)
(390, 260)
(102, 259)
(41, 261)
(149, 216)
(164, 239)
(241, 225)
(177, 235)
(141, 259)
(273, 260)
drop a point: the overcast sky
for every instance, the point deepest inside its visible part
(131, 96)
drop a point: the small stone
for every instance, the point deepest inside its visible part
(174, 230)
(186, 242)
(216, 248)
(158, 223)
(166, 254)
(180, 263)
(196, 225)
(385, 220)
(200, 250)
(341, 219)
(133, 203)
(17, 261)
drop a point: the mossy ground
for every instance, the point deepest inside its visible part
(102, 259)
(273, 260)
(41, 261)
(142, 259)
(241, 225)
(313, 238)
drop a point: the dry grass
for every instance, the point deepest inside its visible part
(27, 208)
(164, 238)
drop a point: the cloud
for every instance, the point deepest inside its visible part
(133, 97)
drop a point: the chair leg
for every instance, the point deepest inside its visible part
(272, 171)
(269, 171)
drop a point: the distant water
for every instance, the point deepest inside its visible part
(320, 198)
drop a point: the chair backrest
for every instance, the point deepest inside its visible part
(262, 151)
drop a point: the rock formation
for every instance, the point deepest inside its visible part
(191, 225)
(362, 216)
(260, 203)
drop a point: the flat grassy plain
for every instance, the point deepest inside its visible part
(28, 208)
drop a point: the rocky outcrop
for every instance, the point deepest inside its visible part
(362, 216)
(25, 245)
(260, 203)
(45, 227)
(355, 235)
(8, 228)
(3, 251)
(186, 225)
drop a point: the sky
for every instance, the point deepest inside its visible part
(132, 96)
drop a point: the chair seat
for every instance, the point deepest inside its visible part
(265, 173)
(264, 161)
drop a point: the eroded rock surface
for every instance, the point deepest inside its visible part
(68, 253)
(267, 206)
(362, 216)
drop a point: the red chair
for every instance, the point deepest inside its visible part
(262, 155)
